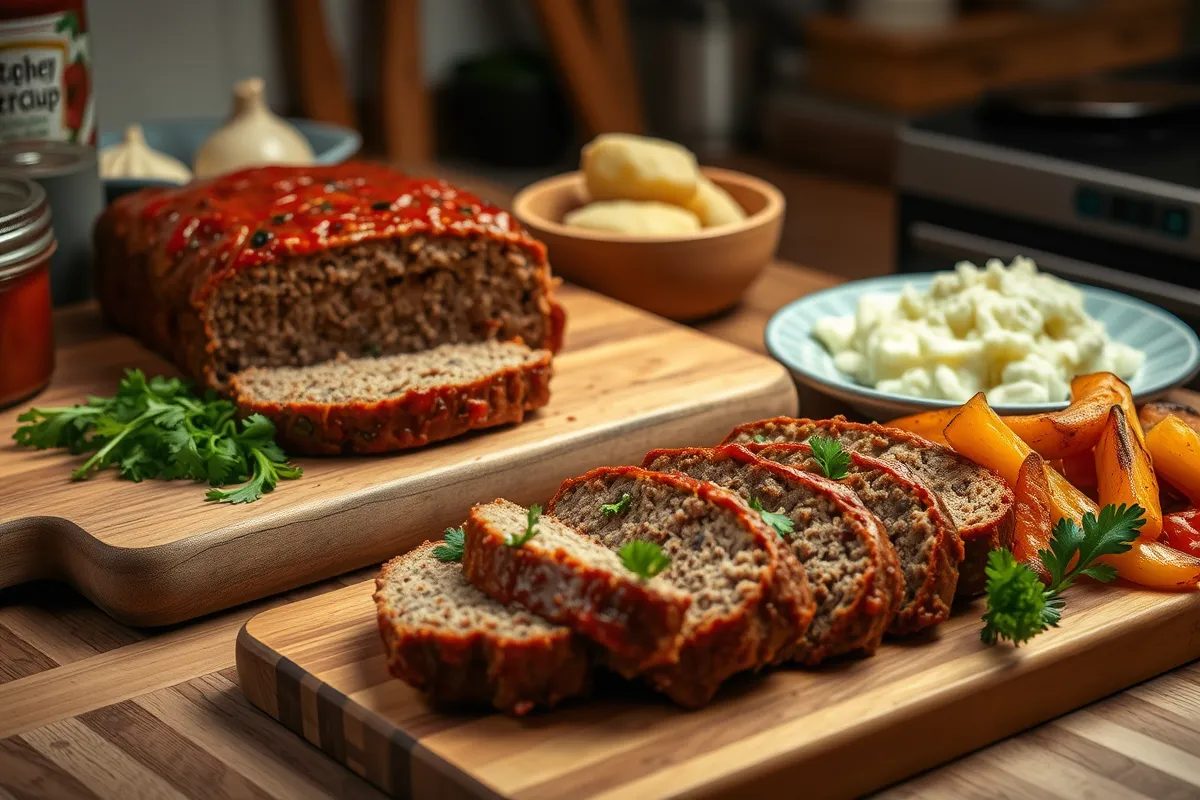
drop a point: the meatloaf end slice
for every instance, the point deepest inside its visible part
(978, 501)
(851, 566)
(376, 405)
(568, 578)
(926, 542)
(445, 637)
(746, 604)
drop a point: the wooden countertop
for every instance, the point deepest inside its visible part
(89, 707)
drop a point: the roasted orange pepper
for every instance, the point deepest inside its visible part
(1125, 473)
(929, 425)
(1080, 470)
(1077, 427)
(1175, 448)
(1031, 510)
(1156, 565)
(979, 434)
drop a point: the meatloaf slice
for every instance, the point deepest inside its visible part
(566, 577)
(851, 566)
(447, 638)
(749, 597)
(374, 405)
(295, 265)
(979, 502)
(926, 542)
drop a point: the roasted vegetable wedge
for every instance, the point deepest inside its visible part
(1153, 413)
(1175, 448)
(928, 425)
(979, 434)
(1156, 566)
(1077, 428)
(1031, 508)
(1125, 473)
(1080, 470)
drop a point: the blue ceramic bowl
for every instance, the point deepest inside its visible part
(1171, 347)
(181, 138)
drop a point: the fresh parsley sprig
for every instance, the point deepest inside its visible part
(619, 507)
(1020, 607)
(160, 429)
(830, 457)
(454, 541)
(531, 518)
(645, 559)
(782, 523)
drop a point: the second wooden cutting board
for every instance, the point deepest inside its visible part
(155, 553)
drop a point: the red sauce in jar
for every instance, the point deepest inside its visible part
(26, 326)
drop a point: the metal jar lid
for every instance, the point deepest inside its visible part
(25, 232)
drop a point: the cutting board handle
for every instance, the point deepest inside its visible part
(28, 550)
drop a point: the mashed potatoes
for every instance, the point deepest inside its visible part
(1012, 332)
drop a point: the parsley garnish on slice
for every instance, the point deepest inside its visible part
(760, 439)
(782, 523)
(1019, 607)
(646, 559)
(829, 455)
(160, 429)
(619, 507)
(451, 548)
(531, 518)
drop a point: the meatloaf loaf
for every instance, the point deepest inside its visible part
(566, 577)
(926, 542)
(444, 636)
(851, 566)
(978, 501)
(750, 601)
(293, 266)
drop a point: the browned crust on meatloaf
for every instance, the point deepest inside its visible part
(410, 420)
(928, 602)
(158, 291)
(992, 532)
(637, 621)
(512, 675)
(855, 627)
(773, 611)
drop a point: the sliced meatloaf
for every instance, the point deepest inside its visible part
(750, 601)
(375, 405)
(978, 501)
(926, 542)
(447, 638)
(292, 266)
(851, 566)
(566, 577)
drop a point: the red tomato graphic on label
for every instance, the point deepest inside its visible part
(75, 79)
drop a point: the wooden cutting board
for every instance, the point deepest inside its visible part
(156, 553)
(845, 729)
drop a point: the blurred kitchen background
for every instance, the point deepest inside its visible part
(813, 95)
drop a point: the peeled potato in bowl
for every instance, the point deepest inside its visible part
(634, 217)
(621, 166)
(713, 205)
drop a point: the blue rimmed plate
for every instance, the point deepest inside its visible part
(1171, 347)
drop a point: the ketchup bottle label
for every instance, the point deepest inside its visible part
(45, 79)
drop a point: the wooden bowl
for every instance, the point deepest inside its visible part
(680, 277)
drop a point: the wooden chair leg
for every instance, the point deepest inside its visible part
(320, 79)
(403, 97)
(612, 31)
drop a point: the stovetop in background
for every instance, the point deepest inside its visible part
(1113, 201)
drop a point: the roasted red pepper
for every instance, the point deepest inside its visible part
(1182, 531)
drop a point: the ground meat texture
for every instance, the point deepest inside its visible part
(926, 542)
(746, 608)
(568, 578)
(378, 405)
(395, 296)
(976, 499)
(445, 637)
(850, 564)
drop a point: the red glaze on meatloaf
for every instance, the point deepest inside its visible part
(851, 566)
(978, 501)
(750, 601)
(290, 266)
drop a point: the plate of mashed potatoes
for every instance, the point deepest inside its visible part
(905, 343)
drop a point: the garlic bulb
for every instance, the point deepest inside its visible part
(133, 158)
(252, 136)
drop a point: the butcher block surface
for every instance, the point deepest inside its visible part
(156, 553)
(841, 730)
